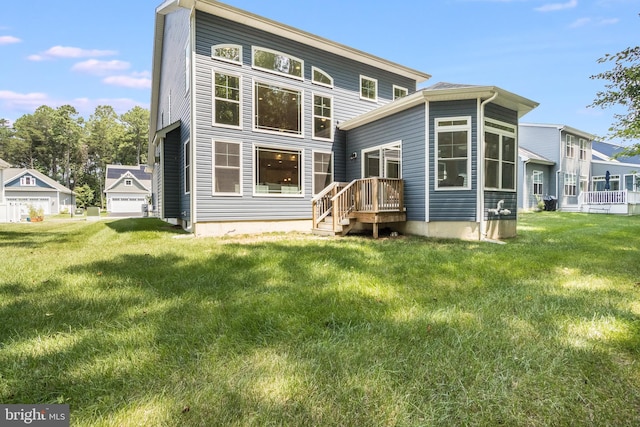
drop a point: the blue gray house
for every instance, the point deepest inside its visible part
(27, 188)
(257, 126)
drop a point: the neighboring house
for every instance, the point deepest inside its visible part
(127, 188)
(567, 177)
(9, 212)
(534, 179)
(30, 188)
(258, 126)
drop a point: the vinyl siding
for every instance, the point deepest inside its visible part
(454, 205)
(174, 105)
(212, 30)
(408, 127)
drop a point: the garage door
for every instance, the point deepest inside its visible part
(129, 204)
(36, 202)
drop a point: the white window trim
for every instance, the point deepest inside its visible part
(363, 77)
(401, 88)
(128, 182)
(504, 132)
(213, 169)
(187, 155)
(583, 150)
(396, 144)
(301, 167)
(213, 99)
(273, 132)
(313, 116)
(31, 181)
(569, 147)
(276, 72)
(313, 70)
(467, 127)
(313, 170)
(570, 180)
(227, 60)
(539, 181)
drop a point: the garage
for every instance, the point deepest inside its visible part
(36, 202)
(125, 203)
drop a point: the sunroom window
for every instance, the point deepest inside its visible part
(500, 156)
(278, 109)
(277, 62)
(226, 103)
(278, 171)
(453, 151)
(226, 167)
(368, 88)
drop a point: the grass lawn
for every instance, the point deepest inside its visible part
(131, 326)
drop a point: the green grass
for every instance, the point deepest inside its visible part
(132, 326)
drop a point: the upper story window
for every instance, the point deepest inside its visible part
(277, 109)
(453, 152)
(322, 117)
(277, 62)
(583, 149)
(321, 78)
(570, 147)
(500, 155)
(227, 52)
(226, 100)
(368, 88)
(28, 181)
(399, 92)
(128, 182)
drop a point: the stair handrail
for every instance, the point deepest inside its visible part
(343, 203)
(321, 203)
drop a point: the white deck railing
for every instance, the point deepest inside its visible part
(605, 197)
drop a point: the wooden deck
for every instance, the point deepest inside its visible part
(368, 201)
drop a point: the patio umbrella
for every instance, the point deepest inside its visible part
(607, 177)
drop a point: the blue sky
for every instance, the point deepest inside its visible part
(89, 53)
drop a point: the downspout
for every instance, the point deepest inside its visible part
(525, 187)
(480, 174)
(192, 130)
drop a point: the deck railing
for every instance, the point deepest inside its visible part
(605, 197)
(341, 200)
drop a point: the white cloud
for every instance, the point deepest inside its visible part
(128, 81)
(70, 52)
(9, 40)
(580, 22)
(87, 106)
(552, 7)
(96, 67)
(611, 21)
(24, 102)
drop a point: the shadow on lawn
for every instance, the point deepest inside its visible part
(250, 317)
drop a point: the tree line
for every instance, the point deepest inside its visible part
(73, 151)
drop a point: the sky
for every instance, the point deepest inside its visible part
(90, 53)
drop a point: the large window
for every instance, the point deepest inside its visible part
(322, 117)
(600, 183)
(368, 88)
(570, 184)
(570, 146)
(226, 167)
(453, 152)
(226, 100)
(277, 109)
(538, 179)
(278, 171)
(383, 161)
(322, 171)
(500, 155)
(277, 62)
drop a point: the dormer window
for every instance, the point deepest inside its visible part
(28, 181)
(128, 182)
(228, 53)
(321, 78)
(277, 62)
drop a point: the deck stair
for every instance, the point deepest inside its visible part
(340, 206)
